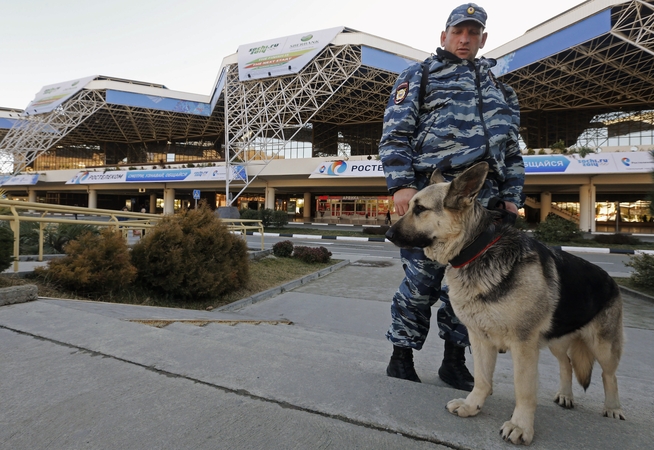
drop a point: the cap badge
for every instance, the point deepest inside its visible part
(471, 10)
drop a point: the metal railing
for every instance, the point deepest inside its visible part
(123, 221)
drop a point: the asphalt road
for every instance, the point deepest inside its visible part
(613, 263)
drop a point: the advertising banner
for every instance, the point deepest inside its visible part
(161, 175)
(344, 169)
(53, 95)
(595, 163)
(282, 56)
(19, 180)
(592, 164)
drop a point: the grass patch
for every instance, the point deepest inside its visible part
(265, 273)
(317, 231)
(628, 283)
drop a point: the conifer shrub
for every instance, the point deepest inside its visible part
(191, 255)
(643, 265)
(557, 229)
(6, 247)
(283, 249)
(312, 254)
(94, 264)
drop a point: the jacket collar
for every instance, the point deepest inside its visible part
(443, 54)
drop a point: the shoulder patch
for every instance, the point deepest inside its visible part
(400, 93)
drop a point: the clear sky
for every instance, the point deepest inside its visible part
(181, 44)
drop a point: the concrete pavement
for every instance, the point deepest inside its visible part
(302, 370)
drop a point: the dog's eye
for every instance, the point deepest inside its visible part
(418, 208)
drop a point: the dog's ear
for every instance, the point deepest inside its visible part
(436, 177)
(465, 188)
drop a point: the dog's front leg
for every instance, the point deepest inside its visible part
(520, 429)
(484, 356)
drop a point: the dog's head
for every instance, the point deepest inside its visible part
(440, 216)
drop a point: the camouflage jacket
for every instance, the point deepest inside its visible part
(466, 116)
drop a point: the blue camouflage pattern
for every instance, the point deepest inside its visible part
(412, 303)
(467, 116)
(464, 119)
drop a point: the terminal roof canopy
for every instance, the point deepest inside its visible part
(593, 59)
(596, 58)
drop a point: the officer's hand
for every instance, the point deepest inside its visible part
(511, 207)
(402, 198)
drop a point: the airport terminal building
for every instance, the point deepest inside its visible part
(294, 123)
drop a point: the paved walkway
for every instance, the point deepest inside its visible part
(302, 370)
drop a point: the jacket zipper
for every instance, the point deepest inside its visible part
(481, 109)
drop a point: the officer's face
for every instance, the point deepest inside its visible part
(464, 40)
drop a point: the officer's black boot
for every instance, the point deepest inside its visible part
(453, 371)
(401, 365)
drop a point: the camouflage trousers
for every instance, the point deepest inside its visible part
(411, 307)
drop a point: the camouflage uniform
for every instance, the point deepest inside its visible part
(446, 132)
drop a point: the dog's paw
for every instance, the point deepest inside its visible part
(614, 413)
(564, 400)
(516, 435)
(460, 408)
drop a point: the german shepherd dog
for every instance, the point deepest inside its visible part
(514, 293)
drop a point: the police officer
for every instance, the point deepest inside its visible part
(446, 113)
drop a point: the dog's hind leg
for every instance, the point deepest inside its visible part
(520, 429)
(608, 355)
(484, 356)
(559, 349)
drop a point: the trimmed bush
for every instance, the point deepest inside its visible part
(312, 254)
(279, 219)
(6, 248)
(620, 239)
(266, 217)
(249, 214)
(377, 231)
(283, 249)
(557, 229)
(94, 264)
(643, 265)
(191, 255)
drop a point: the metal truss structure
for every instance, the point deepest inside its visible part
(561, 94)
(36, 134)
(263, 116)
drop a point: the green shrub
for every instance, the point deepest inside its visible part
(266, 217)
(643, 265)
(620, 239)
(6, 248)
(312, 254)
(56, 237)
(94, 264)
(283, 249)
(279, 219)
(249, 214)
(191, 255)
(557, 229)
(29, 238)
(377, 231)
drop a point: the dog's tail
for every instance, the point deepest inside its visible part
(582, 361)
